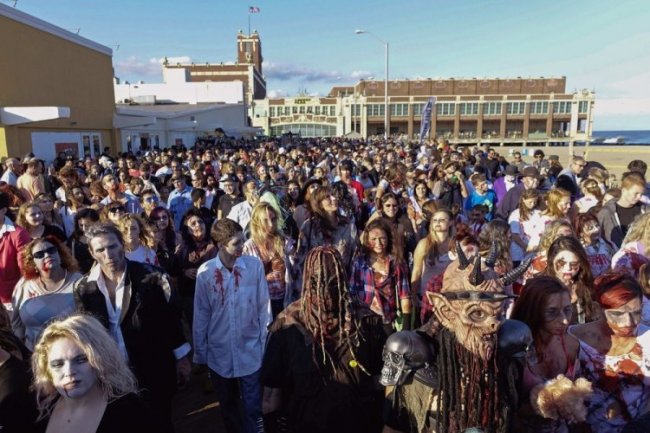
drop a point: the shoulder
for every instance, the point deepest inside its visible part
(583, 332)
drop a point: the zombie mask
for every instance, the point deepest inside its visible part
(404, 353)
(470, 303)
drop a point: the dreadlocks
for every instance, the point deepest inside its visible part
(326, 307)
(469, 391)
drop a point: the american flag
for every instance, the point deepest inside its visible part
(253, 9)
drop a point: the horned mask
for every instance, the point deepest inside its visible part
(471, 301)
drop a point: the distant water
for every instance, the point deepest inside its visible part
(629, 137)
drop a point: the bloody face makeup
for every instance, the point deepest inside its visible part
(624, 320)
(46, 257)
(566, 266)
(377, 241)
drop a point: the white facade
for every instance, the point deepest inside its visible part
(177, 89)
(142, 127)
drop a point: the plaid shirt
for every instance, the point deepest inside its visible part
(364, 289)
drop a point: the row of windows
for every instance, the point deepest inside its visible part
(442, 109)
(325, 110)
(305, 130)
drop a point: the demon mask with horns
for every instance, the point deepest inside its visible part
(467, 389)
(471, 302)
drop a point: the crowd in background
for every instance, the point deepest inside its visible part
(385, 218)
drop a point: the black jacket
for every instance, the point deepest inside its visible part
(151, 326)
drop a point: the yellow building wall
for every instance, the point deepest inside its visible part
(40, 69)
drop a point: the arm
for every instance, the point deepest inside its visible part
(202, 313)
(418, 267)
(461, 182)
(17, 324)
(263, 303)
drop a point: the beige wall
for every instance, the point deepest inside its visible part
(41, 69)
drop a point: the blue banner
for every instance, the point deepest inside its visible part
(425, 123)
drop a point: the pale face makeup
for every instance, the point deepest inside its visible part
(567, 266)
(624, 320)
(71, 372)
(196, 227)
(235, 245)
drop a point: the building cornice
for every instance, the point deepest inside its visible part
(38, 24)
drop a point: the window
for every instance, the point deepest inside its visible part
(583, 106)
(492, 109)
(516, 107)
(539, 107)
(417, 109)
(317, 110)
(399, 109)
(294, 110)
(356, 109)
(562, 107)
(446, 109)
(375, 110)
(271, 111)
(468, 108)
(332, 110)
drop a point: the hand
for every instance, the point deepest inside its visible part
(191, 273)
(183, 370)
(458, 174)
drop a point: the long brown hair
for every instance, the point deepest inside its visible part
(524, 212)
(584, 280)
(529, 307)
(30, 272)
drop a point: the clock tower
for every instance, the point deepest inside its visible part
(249, 50)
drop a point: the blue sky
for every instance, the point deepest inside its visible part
(597, 44)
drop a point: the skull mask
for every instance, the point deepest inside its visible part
(404, 353)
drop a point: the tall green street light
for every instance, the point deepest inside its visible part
(361, 32)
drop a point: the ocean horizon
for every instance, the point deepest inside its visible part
(629, 137)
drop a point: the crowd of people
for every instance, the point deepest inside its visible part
(281, 270)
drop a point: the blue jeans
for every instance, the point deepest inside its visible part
(240, 399)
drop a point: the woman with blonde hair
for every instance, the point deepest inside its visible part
(592, 196)
(271, 246)
(31, 218)
(636, 242)
(83, 383)
(558, 205)
(138, 242)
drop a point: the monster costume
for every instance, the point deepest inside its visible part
(447, 377)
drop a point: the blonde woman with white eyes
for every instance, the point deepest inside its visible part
(83, 384)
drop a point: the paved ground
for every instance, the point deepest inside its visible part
(196, 411)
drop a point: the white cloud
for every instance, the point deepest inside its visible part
(622, 106)
(277, 93)
(134, 66)
(288, 72)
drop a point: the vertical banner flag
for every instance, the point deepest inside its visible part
(253, 9)
(425, 123)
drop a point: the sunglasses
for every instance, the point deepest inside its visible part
(161, 218)
(117, 209)
(41, 254)
(151, 199)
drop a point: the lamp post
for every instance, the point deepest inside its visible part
(361, 32)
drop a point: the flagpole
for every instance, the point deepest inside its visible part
(249, 22)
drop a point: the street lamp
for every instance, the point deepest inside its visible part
(361, 32)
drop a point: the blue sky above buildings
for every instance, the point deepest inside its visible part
(596, 44)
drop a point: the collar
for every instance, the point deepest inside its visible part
(239, 263)
(7, 226)
(96, 272)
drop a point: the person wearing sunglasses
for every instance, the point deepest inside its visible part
(545, 306)
(149, 201)
(45, 290)
(615, 354)
(113, 212)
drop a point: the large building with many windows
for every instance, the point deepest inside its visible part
(496, 110)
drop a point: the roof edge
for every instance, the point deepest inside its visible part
(37, 23)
